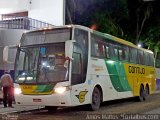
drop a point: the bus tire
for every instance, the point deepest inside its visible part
(96, 99)
(51, 108)
(146, 92)
(141, 94)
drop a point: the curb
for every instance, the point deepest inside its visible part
(19, 110)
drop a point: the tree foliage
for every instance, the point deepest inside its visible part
(133, 20)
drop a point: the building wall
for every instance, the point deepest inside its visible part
(9, 37)
(50, 11)
(11, 6)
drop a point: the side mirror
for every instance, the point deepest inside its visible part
(69, 48)
(5, 54)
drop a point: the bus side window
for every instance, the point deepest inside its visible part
(151, 59)
(96, 47)
(123, 53)
(114, 52)
(157, 61)
(146, 60)
(107, 50)
(133, 55)
(101, 48)
(140, 57)
(126, 53)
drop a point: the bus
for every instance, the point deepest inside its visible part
(74, 65)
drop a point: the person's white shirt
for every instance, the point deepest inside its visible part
(6, 80)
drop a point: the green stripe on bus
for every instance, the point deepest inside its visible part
(118, 76)
(44, 88)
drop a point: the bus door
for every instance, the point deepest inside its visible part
(79, 92)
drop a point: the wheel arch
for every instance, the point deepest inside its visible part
(147, 86)
(100, 89)
(142, 85)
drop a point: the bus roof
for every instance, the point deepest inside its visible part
(111, 37)
(105, 35)
(119, 40)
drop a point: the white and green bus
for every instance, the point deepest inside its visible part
(74, 65)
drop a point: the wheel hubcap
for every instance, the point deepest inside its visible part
(95, 99)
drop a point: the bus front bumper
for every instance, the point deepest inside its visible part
(44, 100)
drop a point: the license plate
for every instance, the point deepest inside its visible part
(37, 100)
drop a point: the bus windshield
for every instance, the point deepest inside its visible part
(41, 64)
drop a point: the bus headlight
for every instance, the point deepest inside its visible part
(17, 91)
(21, 78)
(60, 90)
(29, 78)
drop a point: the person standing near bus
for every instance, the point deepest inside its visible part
(7, 86)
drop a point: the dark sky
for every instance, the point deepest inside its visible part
(78, 8)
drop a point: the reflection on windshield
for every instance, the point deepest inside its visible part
(42, 64)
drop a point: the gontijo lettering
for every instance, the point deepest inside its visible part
(136, 70)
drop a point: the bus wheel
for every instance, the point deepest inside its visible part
(146, 92)
(142, 94)
(96, 99)
(51, 108)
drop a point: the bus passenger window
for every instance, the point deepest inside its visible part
(107, 51)
(151, 59)
(121, 54)
(97, 53)
(101, 48)
(115, 50)
(140, 56)
(97, 46)
(126, 53)
(133, 55)
(146, 60)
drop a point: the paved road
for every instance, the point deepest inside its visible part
(17, 109)
(155, 111)
(108, 110)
